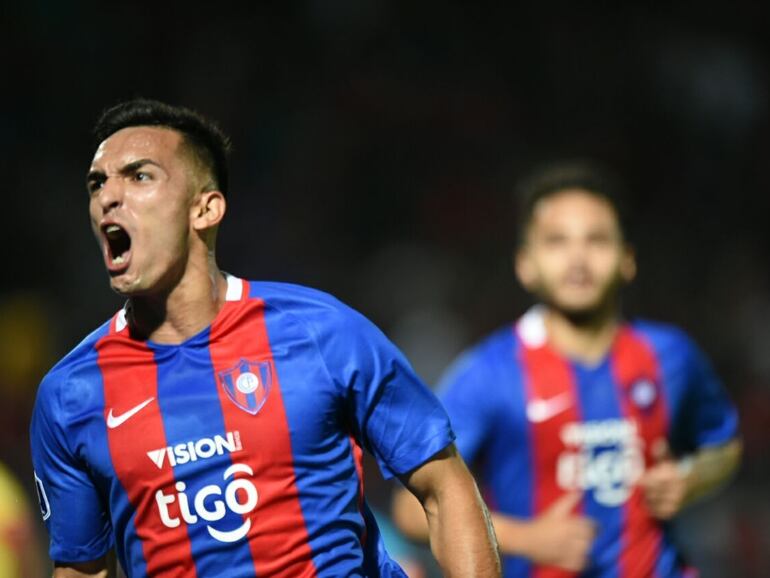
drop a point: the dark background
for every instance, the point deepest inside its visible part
(376, 146)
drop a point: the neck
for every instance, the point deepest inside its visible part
(184, 310)
(586, 339)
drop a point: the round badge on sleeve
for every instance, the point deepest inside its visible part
(644, 393)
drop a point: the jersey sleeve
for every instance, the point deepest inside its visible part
(709, 417)
(77, 523)
(391, 411)
(464, 392)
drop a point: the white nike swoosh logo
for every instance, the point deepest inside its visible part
(540, 410)
(114, 421)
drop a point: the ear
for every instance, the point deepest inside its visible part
(524, 268)
(208, 210)
(628, 264)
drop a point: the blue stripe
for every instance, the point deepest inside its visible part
(130, 547)
(190, 414)
(598, 399)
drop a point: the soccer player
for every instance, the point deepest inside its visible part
(19, 555)
(589, 431)
(215, 426)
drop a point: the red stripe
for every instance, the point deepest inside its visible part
(633, 361)
(277, 537)
(358, 458)
(548, 375)
(130, 378)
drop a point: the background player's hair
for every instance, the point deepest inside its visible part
(203, 137)
(553, 178)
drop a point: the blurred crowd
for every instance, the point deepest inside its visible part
(376, 149)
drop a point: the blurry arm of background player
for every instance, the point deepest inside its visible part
(458, 526)
(557, 537)
(19, 542)
(670, 484)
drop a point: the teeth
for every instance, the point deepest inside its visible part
(118, 260)
(112, 229)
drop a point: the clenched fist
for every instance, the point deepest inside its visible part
(665, 484)
(560, 537)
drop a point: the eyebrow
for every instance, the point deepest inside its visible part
(126, 169)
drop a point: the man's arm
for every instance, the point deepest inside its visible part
(458, 524)
(557, 537)
(96, 569)
(105, 567)
(672, 484)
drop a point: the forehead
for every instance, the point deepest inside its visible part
(138, 142)
(574, 206)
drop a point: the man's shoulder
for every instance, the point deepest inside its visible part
(83, 353)
(500, 342)
(662, 336)
(291, 294)
(483, 356)
(308, 305)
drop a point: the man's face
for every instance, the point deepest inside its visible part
(141, 183)
(574, 257)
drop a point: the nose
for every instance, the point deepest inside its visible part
(110, 195)
(578, 251)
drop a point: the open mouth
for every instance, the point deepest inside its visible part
(118, 247)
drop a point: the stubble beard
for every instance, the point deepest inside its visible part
(603, 309)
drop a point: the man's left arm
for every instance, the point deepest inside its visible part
(459, 526)
(704, 439)
(672, 484)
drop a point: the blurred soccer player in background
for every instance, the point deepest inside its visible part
(215, 426)
(19, 556)
(589, 431)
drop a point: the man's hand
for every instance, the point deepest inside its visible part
(665, 484)
(669, 485)
(558, 537)
(101, 568)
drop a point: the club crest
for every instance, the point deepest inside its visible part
(248, 384)
(644, 393)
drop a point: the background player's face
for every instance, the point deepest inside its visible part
(141, 183)
(574, 257)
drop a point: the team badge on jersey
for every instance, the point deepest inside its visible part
(248, 384)
(644, 393)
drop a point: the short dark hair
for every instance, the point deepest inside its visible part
(551, 179)
(203, 137)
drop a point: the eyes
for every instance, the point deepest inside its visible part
(555, 240)
(96, 181)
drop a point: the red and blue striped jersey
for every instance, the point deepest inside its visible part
(237, 452)
(538, 425)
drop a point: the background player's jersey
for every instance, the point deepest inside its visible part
(236, 453)
(538, 425)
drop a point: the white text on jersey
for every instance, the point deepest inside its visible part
(197, 449)
(208, 505)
